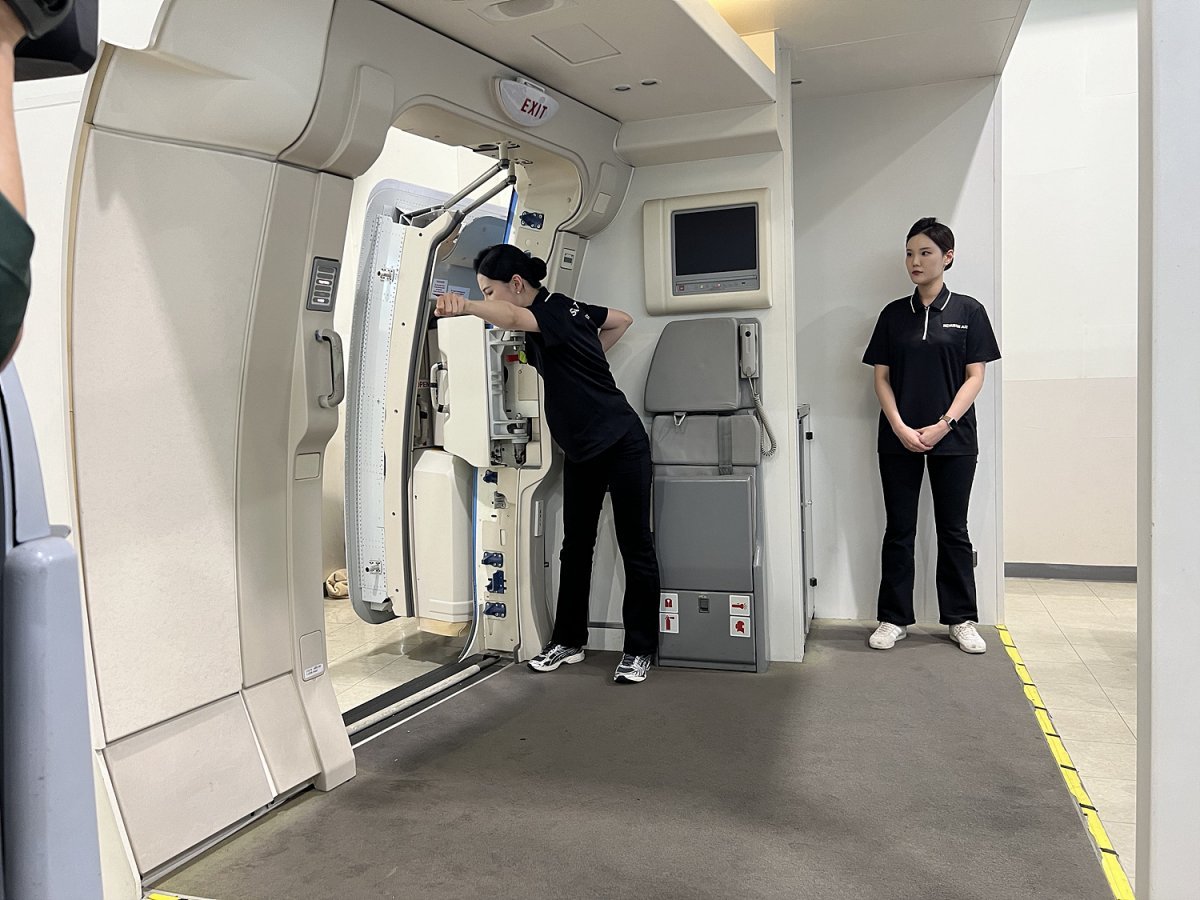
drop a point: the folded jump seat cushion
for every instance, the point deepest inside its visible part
(696, 440)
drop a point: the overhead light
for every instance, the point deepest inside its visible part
(524, 102)
(622, 88)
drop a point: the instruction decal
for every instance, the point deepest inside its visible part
(668, 623)
(739, 626)
(668, 602)
(739, 605)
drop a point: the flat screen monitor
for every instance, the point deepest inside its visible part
(707, 252)
(714, 250)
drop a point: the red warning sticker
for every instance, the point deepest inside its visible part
(739, 626)
(668, 603)
(739, 604)
(668, 623)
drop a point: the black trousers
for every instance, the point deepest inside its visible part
(624, 471)
(950, 478)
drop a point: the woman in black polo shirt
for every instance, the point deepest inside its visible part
(603, 439)
(929, 352)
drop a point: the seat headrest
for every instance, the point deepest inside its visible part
(695, 368)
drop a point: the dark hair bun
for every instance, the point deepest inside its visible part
(501, 262)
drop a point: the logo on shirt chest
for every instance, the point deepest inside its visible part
(954, 325)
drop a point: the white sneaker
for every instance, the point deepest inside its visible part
(554, 655)
(967, 637)
(885, 636)
(632, 669)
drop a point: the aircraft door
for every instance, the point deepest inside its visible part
(433, 403)
(367, 412)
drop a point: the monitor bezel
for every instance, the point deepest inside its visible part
(719, 274)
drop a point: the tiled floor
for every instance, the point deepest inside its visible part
(1079, 642)
(366, 660)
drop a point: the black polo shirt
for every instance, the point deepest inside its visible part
(16, 249)
(927, 350)
(586, 411)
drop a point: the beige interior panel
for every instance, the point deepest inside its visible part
(184, 780)
(265, 448)
(278, 720)
(157, 324)
(697, 61)
(312, 425)
(718, 135)
(444, 91)
(192, 88)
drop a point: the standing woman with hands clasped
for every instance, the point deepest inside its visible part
(929, 352)
(602, 437)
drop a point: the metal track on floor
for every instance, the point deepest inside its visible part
(368, 719)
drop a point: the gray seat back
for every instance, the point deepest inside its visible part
(695, 368)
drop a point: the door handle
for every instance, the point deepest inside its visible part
(436, 389)
(336, 369)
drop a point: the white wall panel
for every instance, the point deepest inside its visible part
(613, 276)
(167, 247)
(1069, 103)
(867, 167)
(1168, 792)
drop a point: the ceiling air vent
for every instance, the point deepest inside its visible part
(509, 10)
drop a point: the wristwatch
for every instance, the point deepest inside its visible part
(950, 423)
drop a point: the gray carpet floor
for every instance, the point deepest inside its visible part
(857, 774)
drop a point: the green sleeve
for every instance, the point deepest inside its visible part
(16, 248)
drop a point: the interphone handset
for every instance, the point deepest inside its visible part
(748, 349)
(748, 368)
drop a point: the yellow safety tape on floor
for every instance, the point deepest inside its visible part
(1118, 881)
(158, 895)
